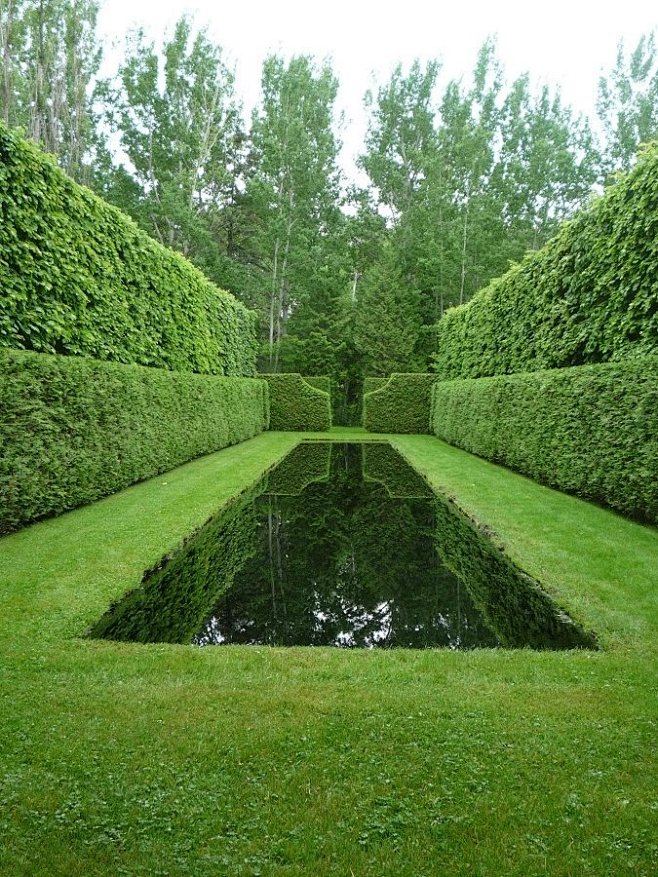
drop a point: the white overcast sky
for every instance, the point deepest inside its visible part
(564, 42)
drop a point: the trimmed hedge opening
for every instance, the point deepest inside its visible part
(402, 404)
(78, 277)
(296, 405)
(74, 429)
(588, 430)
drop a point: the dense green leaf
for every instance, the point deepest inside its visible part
(75, 429)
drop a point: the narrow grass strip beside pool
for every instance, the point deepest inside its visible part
(62, 573)
(600, 567)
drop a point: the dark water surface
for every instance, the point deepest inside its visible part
(340, 545)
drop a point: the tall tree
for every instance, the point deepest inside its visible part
(627, 104)
(400, 136)
(178, 124)
(292, 194)
(547, 166)
(50, 57)
(387, 319)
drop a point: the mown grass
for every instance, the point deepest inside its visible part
(169, 760)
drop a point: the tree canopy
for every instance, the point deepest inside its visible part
(458, 178)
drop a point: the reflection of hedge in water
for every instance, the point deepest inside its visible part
(373, 561)
(175, 599)
(369, 563)
(306, 463)
(383, 464)
(512, 603)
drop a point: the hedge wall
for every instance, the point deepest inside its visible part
(370, 384)
(321, 383)
(77, 276)
(589, 430)
(590, 295)
(400, 405)
(296, 405)
(75, 429)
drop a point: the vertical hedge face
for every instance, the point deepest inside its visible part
(77, 276)
(296, 405)
(589, 430)
(402, 404)
(590, 295)
(73, 429)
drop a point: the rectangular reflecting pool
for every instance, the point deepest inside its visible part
(341, 545)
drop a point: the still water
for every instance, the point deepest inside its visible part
(340, 545)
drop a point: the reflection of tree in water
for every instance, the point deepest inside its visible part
(344, 564)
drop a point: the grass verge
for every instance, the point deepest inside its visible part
(166, 760)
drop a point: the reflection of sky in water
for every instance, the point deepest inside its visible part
(360, 619)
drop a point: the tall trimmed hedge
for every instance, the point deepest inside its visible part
(296, 405)
(590, 295)
(589, 430)
(402, 404)
(320, 383)
(74, 429)
(370, 384)
(78, 277)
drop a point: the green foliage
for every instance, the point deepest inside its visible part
(469, 178)
(75, 429)
(370, 384)
(590, 295)
(320, 383)
(401, 405)
(590, 430)
(178, 123)
(291, 202)
(327, 385)
(627, 104)
(78, 277)
(387, 320)
(49, 57)
(296, 405)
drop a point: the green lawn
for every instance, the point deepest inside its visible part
(169, 760)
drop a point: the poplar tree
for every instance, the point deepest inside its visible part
(50, 57)
(292, 196)
(178, 124)
(627, 104)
